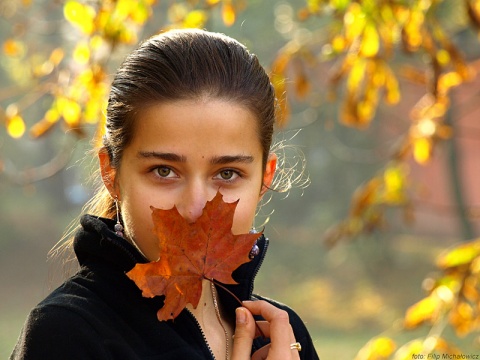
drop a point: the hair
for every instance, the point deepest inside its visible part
(184, 65)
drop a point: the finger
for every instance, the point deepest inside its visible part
(244, 334)
(281, 333)
(295, 353)
(262, 353)
(262, 329)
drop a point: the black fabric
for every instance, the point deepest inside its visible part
(99, 313)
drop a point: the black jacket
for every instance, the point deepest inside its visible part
(100, 314)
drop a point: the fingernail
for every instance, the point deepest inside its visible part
(241, 315)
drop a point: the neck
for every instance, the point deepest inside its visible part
(213, 323)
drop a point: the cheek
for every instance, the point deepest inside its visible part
(137, 217)
(244, 215)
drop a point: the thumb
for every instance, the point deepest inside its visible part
(244, 334)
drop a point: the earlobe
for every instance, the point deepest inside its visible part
(269, 173)
(108, 172)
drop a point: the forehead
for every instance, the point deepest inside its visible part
(206, 125)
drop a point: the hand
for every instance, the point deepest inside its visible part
(276, 327)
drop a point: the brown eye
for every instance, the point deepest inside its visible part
(163, 171)
(226, 174)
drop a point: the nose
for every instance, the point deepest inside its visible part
(193, 200)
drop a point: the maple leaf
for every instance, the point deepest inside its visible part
(190, 253)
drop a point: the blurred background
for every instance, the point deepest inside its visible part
(382, 104)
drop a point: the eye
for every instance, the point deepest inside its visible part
(228, 175)
(164, 171)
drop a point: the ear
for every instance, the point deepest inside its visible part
(108, 172)
(269, 173)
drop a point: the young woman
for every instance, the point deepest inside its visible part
(190, 113)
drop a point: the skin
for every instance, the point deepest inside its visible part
(181, 154)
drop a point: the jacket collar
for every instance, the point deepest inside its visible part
(96, 242)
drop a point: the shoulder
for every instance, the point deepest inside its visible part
(298, 326)
(55, 331)
(61, 325)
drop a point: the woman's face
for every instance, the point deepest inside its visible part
(181, 154)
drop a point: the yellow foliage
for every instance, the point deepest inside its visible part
(462, 318)
(425, 310)
(56, 56)
(115, 21)
(459, 255)
(354, 22)
(339, 4)
(80, 15)
(413, 29)
(422, 150)
(94, 110)
(314, 6)
(228, 14)
(70, 110)
(13, 47)
(15, 126)
(443, 57)
(43, 126)
(448, 80)
(475, 267)
(356, 75)
(474, 11)
(366, 78)
(338, 43)
(280, 63)
(96, 42)
(394, 178)
(138, 11)
(407, 351)
(366, 196)
(392, 89)
(195, 19)
(365, 112)
(370, 43)
(81, 54)
(379, 348)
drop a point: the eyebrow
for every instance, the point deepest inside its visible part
(162, 156)
(227, 159)
(216, 160)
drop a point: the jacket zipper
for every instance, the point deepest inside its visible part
(255, 272)
(201, 331)
(257, 268)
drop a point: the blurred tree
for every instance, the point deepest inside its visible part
(370, 46)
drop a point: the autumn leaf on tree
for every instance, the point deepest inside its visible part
(190, 253)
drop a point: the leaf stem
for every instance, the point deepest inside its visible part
(238, 300)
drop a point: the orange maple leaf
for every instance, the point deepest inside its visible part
(190, 253)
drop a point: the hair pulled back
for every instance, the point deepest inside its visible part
(180, 65)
